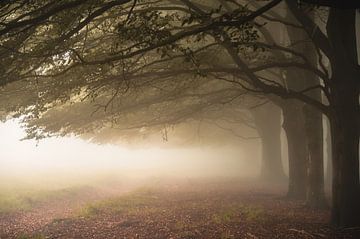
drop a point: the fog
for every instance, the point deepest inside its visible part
(179, 119)
(69, 161)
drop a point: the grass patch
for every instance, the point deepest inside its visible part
(224, 216)
(15, 200)
(248, 213)
(129, 203)
(253, 214)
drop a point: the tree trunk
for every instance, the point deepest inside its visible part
(315, 195)
(344, 123)
(329, 167)
(344, 118)
(345, 186)
(313, 126)
(267, 120)
(293, 124)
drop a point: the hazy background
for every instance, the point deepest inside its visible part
(64, 162)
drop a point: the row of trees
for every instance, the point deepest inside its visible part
(150, 64)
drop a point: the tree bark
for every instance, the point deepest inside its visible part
(293, 124)
(313, 126)
(344, 118)
(267, 120)
(346, 192)
(315, 195)
(329, 167)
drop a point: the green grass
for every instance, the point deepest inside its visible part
(15, 200)
(224, 216)
(253, 214)
(129, 203)
(11, 202)
(248, 213)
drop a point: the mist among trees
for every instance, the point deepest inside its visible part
(277, 80)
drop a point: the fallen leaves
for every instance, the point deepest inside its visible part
(198, 210)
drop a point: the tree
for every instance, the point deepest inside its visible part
(310, 119)
(267, 120)
(52, 92)
(292, 110)
(343, 109)
(126, 53)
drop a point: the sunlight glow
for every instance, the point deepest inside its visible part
(71, 159)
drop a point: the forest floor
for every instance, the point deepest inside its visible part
(221, 209)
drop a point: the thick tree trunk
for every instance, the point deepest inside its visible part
(344, 123)
(313, 142)
(293, 124)
(267, 120)
(315, 195)
(344, 118)
(345, 186)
